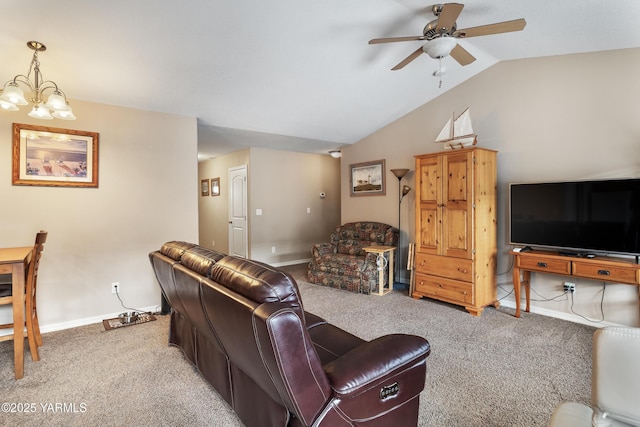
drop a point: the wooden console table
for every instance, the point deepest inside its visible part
(607, 269)
(384, 253)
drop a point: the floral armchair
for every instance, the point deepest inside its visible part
(344, 264)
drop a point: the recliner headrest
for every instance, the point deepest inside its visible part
(257, 281)
(200, 259)
(175, 249)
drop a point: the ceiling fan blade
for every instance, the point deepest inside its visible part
(396, 39)
(449, 14)
(485, 30)
(461, 55)
(408, 59)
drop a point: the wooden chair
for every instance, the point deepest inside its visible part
(31, 314)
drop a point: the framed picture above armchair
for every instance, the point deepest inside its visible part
(368, 178)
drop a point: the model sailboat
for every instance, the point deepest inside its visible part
(458, 132)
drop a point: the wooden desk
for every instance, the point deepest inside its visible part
(606, 269)
(14, 260)
(384, 252)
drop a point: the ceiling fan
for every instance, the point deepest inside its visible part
(442, 35)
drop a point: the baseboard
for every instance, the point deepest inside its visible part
(82, 322)
(294, 262)
(560, 315)
(510, 304)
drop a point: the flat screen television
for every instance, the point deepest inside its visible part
(581, 217)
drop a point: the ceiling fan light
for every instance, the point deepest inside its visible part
(440, 47)
(40, 112)
(12, 93)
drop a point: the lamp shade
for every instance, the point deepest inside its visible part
(57, 102)
(8, 106)
(399, 173)
(12, 93)
(64, 114)
(440, 47)
(40, 112)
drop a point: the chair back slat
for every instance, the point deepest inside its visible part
(32, 275)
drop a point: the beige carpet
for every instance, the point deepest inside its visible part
(493, 370)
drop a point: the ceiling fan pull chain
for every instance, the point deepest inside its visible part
(440, 72)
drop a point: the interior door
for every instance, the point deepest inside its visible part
(238, 237)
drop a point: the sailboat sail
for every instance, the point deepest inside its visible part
(446, 134)
(458, 132)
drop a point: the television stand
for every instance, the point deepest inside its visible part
(568, 253)
(607, 269)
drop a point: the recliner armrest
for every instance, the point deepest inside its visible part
(311, 320)
(374, 362)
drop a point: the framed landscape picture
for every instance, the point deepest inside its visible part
(368, 179)
(45, 156)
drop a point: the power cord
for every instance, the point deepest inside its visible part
(135, 310)
(504, 290)
(557, 297)
(508, 269)
(604, 286)
(565, 294)
(542, 298)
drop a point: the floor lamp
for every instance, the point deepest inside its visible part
(402, 191)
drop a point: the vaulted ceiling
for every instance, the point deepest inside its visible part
(294, 74)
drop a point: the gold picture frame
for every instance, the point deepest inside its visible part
(215, 186)
(54, 157)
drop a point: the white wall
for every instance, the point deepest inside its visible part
(566, 117)
(147, 195)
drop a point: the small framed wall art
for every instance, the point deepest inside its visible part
(368, 179)
(204, 187)
(44, 156)
(215, 186)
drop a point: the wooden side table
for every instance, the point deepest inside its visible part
(385, 253)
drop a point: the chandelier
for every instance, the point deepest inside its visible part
(56, 105)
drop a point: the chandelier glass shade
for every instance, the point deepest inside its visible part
(56, 104)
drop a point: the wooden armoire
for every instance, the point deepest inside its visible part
(456, 243)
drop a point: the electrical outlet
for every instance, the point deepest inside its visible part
(273, 249)
(569, 287)
(115, 287)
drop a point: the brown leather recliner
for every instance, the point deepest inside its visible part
(243, 325)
